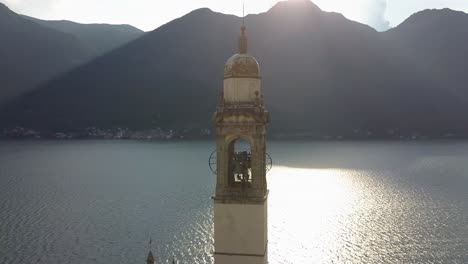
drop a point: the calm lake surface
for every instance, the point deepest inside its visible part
(330, 202)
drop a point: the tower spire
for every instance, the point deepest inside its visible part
(243, 38)
(243, 13)
(150, 258)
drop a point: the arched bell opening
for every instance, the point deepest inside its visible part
(240, 163)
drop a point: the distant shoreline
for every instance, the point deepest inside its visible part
(210, 138)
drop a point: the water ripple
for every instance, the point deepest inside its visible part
(101, 202)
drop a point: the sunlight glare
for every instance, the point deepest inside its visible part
(310, 207)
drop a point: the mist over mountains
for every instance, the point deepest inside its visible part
(30, 53)
(98, 38)
(33, 51)
(323, 76)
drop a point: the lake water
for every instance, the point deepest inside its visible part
(330, 202)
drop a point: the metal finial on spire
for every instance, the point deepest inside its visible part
(243, 13)
(243, 38)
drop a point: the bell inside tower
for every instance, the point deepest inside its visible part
(240, 157)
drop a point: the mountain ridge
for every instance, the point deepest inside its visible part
(55, 49)
(23, 64)
(323, 75)
(98, 37)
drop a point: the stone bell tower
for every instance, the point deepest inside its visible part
(240, 201)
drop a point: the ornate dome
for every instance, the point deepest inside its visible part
(242, 65)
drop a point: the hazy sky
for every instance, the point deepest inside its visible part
(149, 14)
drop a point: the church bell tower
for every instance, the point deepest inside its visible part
(240, 200)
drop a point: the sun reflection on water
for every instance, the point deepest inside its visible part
(311, 209)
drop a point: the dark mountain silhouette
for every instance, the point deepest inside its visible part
(99, 38)
(322, 75)
(431, 47)
(31, 53)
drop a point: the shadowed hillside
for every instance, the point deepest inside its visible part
(323, 75)
(31, 53)
(99, 38)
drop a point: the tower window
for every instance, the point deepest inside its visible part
(241, 163)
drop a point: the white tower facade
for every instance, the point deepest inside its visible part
(241, 197)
